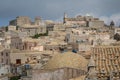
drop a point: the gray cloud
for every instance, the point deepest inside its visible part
(54, 9)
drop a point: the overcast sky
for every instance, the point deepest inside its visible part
(54, 9)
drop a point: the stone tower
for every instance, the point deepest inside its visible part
(112, 24)
(112, 29)
(65, 17)
(37, 21)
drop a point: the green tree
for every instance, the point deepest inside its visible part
(38, 35)
(117, 37)
(17, 27)
(6, 28)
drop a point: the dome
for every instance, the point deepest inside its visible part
(68, 59)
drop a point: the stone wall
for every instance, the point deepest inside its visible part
(58, 74)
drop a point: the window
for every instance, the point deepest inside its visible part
(2, 60)
(28, 30)
(18, 61)
(7, 61)
(83, 32)
(1, 53)
(41, 30)
(6, 54)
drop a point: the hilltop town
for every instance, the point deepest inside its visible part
(79, 48)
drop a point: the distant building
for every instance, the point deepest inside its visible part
(12, 41)
(33, 29)
(77, 35)
(96, 23)
(102, 39)
(38, 21)
(4, 56)
(20, 20)
(49, 25)
(13, 28)
(112, 25)
(21, 57)
(31, 57)
(83, 21)
(78, 21)
(24, 24)
(117, 30)
(59, 27)
(29, 43)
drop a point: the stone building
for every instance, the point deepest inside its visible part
(33, 29)
(13, 28)
(61, 67)
(24, 24)
(96, 23)
(77, 35)
(83, 21)
(116, 30)
(29, 43)
(49, 25)
(20, 20)
(78, 21)
(25, 20)
(21, 57)
(2, 40)
(59, 27)
(56, 74)
(37, 21)
(12, 41)
(30, 57)
(4, 55)
(102, 38)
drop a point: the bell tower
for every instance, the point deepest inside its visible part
(112, 24)
(65, 17)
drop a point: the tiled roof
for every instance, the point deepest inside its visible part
(107, 60)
